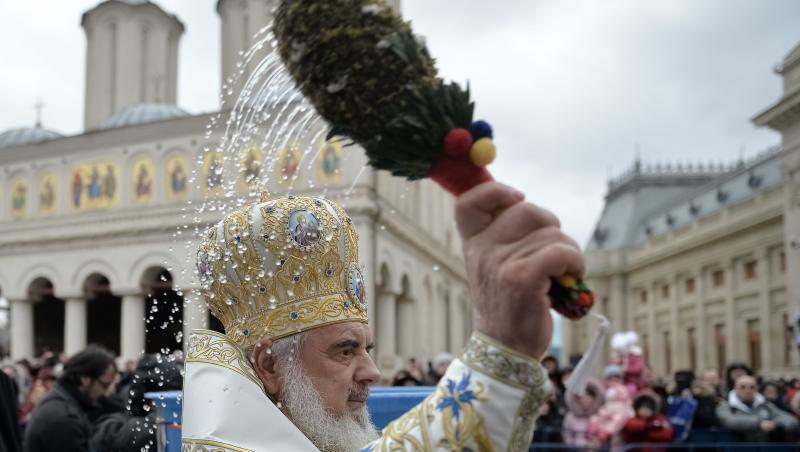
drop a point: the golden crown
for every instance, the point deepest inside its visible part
(280, 267)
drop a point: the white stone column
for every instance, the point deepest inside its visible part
(677, 336)
(132, 331)
(74, 325)
(456, 323)
(730, 314)
(765, 312)
(21, 329)
(387, 348)
(653, 341)
(703, 342)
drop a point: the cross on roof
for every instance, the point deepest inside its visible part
(38, 106)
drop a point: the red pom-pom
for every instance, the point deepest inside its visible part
(457, 143)
(458, 175)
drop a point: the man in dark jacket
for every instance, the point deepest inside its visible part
(749, 414)
(9, 418)
(62, 420)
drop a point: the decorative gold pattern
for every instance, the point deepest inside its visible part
(214, 348)
(494, 359)
(281, 267)
(204, 445)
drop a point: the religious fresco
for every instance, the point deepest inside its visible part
(329, 161)
(19, 197)
(94, 185)
(47, 193)
(288, 164)
(212, 173)
(177, 175)
(142, 181)
(250, 161)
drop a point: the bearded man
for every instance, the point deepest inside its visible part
(293, 370)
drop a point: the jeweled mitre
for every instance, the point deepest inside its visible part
(281, 267)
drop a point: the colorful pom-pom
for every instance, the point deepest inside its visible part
(483, 152)
(458, 142)
(567, 281)
(480, 129)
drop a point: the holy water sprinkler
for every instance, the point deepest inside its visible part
(373, 80)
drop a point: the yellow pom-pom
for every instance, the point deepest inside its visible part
(567, 281)
(483, 152)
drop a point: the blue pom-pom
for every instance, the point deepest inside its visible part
(480, 129)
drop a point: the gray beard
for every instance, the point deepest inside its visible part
(305, 408)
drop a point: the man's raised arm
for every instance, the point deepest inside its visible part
(489, 398)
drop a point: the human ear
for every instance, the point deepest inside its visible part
(264, 364)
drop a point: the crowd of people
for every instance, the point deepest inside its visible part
(86, 403)
(83, 403)
(625, 406)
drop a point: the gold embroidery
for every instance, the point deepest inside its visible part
(497, 361)
(281, 267)
(213, 348)
(205, 445)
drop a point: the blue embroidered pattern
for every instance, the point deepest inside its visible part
(457, 395)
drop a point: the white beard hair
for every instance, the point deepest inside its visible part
(305, 408)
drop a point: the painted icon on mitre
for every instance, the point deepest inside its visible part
(304, 228)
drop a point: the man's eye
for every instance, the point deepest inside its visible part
(348, 352)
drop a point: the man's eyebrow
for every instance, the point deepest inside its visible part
(347, 343)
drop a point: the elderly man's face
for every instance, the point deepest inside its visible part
(745, 388)
(336, 358)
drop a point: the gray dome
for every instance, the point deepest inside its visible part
(142, 114)
(26, 135)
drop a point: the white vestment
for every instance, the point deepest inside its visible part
(488, 400)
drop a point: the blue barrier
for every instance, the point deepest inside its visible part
(387, 403)
(168, 417)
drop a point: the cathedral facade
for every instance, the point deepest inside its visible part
(97, 230)
(703, 260)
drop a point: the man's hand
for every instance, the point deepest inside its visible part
(511, 249)
(767, 426)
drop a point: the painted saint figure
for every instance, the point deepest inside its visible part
(178, 178)
(109, 183)
(93, 189)
(47, 196)
(143, 183)
(77, 189)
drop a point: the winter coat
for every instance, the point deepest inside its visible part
(612, 416)
(122, 432)
(60, 423)
(746, 420)
(705, 417)
(9, 423)
(655, 429)
(575, 428)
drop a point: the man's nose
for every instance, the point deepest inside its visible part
(367, 372)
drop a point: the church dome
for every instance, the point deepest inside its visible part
(26, 135)
(142, 114)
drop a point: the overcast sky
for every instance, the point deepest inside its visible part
(570, 86)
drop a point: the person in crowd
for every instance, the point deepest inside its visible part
(771, 391)
(611, 417)
(404, 377)
(134, 430)
(734, 371)
(648, 425)
(42, 385)
(550, 363)
(750, 415)
(62, 421)
(9, 421)
(681, 404)
(437, 367)
(710, 379)
(580, 408)
(705, 391)
(550, 421)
